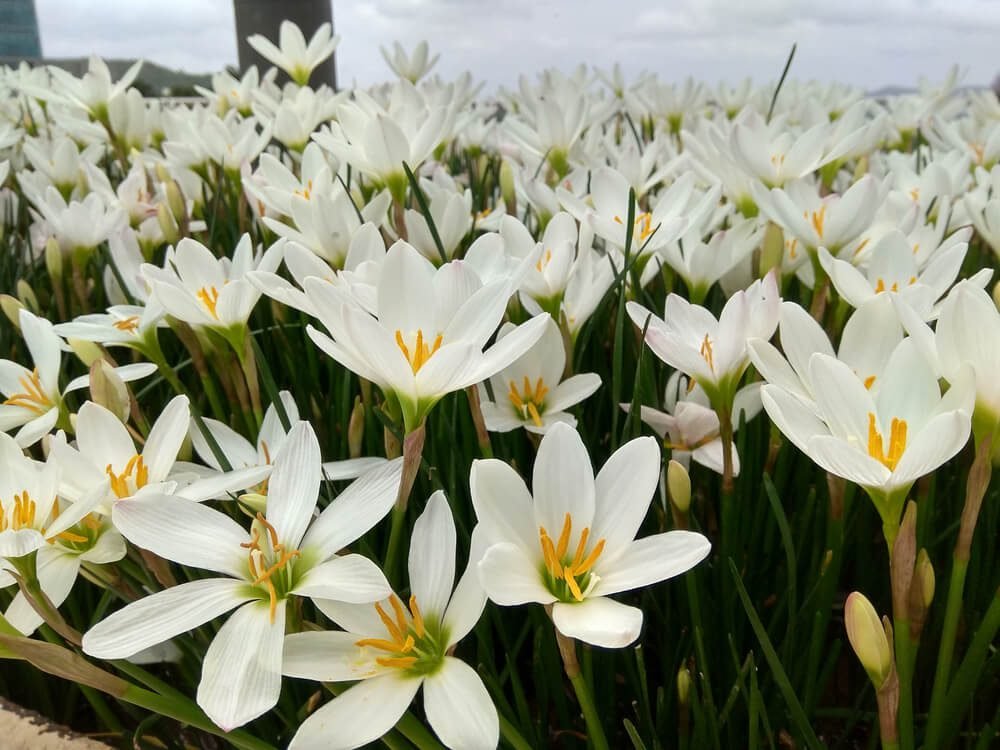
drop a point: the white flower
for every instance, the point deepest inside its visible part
(573, 544)
(531, 392)
(34, 398)
(427, 334)
(412, 67)
(395, 648)
(294, 56)
(287, 552)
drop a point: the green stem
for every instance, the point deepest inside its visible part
(905, 656)
(942, 672)
(510, 733)
(393, 552)
(594, 728)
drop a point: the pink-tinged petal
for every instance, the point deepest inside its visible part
(598, 621)
(650, 560)
(185, 532)
(459, 708)
(359, 715)
(503, 505)
(432, 556)
(293, 487)
(563, 481)
(624, 487)
(241, 672)
(162, 615)
(509, 577)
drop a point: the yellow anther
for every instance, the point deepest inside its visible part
(120, 482)
(401, 640)
(554, 557)
(22, 515)
(306, 192)
(869, 382)
(33, 397)
(706, 352)
(529, 401)
(421, 350)
(543, 262)
(129, 324)
(209, 297)
(817, 219)
(263, 565)
(897, 442)
(418, 618)
(881, 287)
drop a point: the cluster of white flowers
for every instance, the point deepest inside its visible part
(365, 211)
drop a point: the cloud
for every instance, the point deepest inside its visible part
(866, 43)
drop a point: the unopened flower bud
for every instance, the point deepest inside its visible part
(168, 225)
(868, 639)
(86, 351)
(107, 389)
(921, 594)
(175, 200)
(12, 309)
(861, 168)
(904, 556)
(507, 187)
(256, 502)
(683, 685)
(53, 259)
(679, 485)
(772, 249)
(27, 296)
(356, 428)
(996, 294)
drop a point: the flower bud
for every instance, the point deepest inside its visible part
(175, 200)
(27, 296)
(356, 429)
(868, 639)
(904, 555)
(107, 389)
(12, 309)
(53, 259)
(86, 351)
(507, 187)
(996, 294)
(168, 225)
(772, 249)
(679, 485)
(256, 502)
(921, 594)
(683, 685)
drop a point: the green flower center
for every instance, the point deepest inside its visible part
(414, 645)
(569, 578)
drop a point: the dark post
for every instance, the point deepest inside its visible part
(265, 16)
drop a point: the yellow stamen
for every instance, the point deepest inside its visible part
(33, 397)
(399, 662)
(120, 482)
(529, 401)
(307, 191)
(706, 352)
(401, 639)
(554, 557)
(22, 516)
(897, 442)
(869, 382)
(209, 297)
(542, 262)
(421, 351)
(129, 325)
(418, 619)
(817, 219)
(257, 560)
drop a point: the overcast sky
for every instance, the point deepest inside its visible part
(870, 43)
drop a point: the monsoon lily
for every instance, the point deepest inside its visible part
(294, 56)
(882, 441)
(395, 647)
(34, 400)
(286, 552)
(426, 335)
(531, 392)
(570, 543)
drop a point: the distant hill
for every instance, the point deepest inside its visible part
(153, 80)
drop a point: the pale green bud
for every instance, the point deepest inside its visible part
(53, 259)
(108, 389)
(679, 486)
(12, 309)
(27, 296)
(868, 639)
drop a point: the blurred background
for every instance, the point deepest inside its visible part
(876, 45)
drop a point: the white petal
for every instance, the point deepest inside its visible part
(327, 656)
(357, 716)
(459, 708)
(942, 437)
(241, 673)
(356, 510)
(166, 438)
(650, 560)
(184, 531)
(598, 621)
(563, 481)
(503, 505)
(352, 578)
(432, 556)
(163, 615)
(294, 484)
(573, 390)
(625, 486)
(509, 577)
(469, 597)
